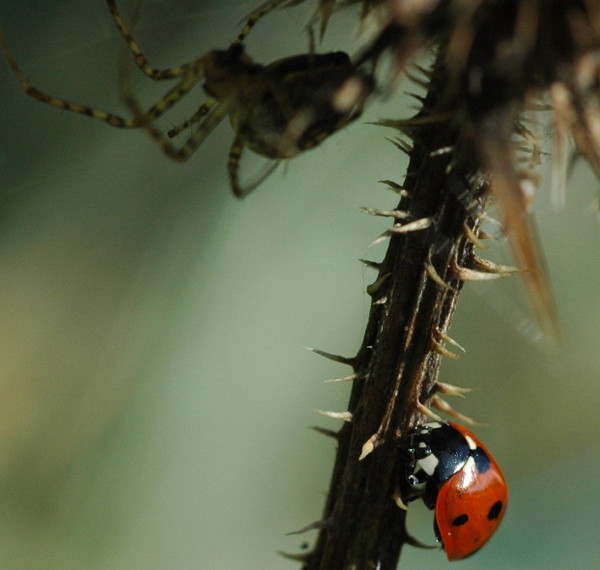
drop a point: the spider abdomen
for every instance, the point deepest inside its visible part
(293, 104)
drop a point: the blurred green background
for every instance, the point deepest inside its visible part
(155, 394)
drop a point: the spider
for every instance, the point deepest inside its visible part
(277, 111)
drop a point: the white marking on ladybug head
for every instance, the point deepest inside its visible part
(471, 443)
(428, 464)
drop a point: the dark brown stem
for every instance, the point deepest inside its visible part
(398, 363)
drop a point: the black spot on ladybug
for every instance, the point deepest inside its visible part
(482, 461)
(460, 520)
(495, 510)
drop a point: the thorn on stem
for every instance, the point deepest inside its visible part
(303, 558)
(344, 416)
(334, 357)
(371, 264)
(327, 432)
(424, 410)
(349, 378)
(436, 277)
(312, 526)
(394, 186)
(374, 287)
(445, 407)
(449, 340)
(451, 390)
(370, 445)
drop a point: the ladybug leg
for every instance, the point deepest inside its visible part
(408, 539)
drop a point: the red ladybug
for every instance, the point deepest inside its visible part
(455, 474)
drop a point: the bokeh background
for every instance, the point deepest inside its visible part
(154, 391)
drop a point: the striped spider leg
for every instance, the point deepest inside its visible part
(188, 75)
(277, 111)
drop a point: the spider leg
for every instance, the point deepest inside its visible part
(170, 98)
(138, 55)
(110, 118)
(233, 166)
(182, 153)
(197, 116)
(255, 17)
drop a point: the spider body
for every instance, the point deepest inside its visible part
(277, 110)
(281, 109)
(284, 108)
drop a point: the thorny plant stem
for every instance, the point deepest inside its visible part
(398, 363)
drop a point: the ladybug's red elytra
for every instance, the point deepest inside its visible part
(455, 474)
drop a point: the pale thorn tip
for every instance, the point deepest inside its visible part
(451, 390)
(428, 413)
(395, 187)
(442, 350)
(491, 267)
(436, 277)
(376, 285)
(369, 446)
(380, 239)
(398, 500)
(445, 407)
(331, 356)
(449, 340)
(311, 526)
(414, 226)
(465, 274)
(472, 237)
(398, 214)
(344, 416)
(349, 378)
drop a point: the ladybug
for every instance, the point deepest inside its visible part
(455, 474)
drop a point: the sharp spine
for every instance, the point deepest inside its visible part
(443, 406)
(334, 357)
(376, 285)
(472, 237)
(344, 416)
(327, 432)
(395, 187)
(424, 410)
(398, 214)
(443, 351)
(349, 378)
(466, 274)
(371, 264)
(451, 390)
(436, 277)
(449, 339)
(312, 526)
